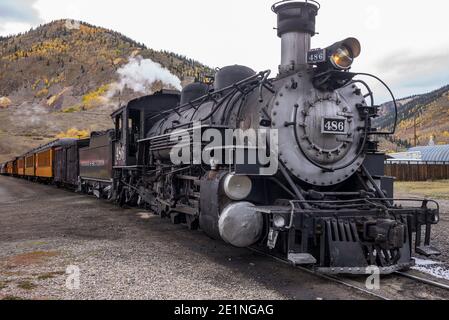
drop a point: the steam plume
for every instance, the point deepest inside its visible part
(140, 74)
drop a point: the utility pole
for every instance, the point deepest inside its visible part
(415, 131)
(415, 127)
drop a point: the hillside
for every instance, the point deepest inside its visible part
(55, 78)
(429, 113)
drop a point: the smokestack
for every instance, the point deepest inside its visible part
(296, 27)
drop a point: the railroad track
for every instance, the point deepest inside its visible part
(323, 276)
(356, 285)
(423, 280)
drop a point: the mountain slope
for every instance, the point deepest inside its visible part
(55, 78)
(41, 61)
(427, 113)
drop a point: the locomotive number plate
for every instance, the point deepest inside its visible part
(334, 126)
(316, 56)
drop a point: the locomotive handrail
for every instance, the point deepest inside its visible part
(370, 92)
(209, 95)
(395, 124)
(369, 201)
(262, 84)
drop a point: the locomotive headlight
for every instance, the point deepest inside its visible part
(237, 187)
(339, 56)
(279, 221)
(342, 59)
(343, 53)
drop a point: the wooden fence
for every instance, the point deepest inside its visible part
(417, 171)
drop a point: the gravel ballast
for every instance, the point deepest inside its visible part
(128, 254)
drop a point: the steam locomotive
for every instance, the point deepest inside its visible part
(288, 165)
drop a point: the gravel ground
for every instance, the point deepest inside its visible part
(128, 254)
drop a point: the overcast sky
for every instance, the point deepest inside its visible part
(404, 42)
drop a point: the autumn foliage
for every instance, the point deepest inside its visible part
(74, 133)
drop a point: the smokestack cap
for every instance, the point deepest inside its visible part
(294, 16)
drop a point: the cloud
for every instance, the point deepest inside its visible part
(18, 11)
(410, 72)
(414, 69)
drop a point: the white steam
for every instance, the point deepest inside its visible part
(32, 116)
(140, 74)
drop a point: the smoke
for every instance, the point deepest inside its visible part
(32, 115)
(140, 74)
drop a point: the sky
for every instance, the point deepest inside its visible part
(403, 42)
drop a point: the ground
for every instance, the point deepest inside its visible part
(439, 191)
(48, 233)
(129, 254)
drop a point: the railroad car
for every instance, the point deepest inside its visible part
(10, 167)
(66, 162)
(44, 157)
(21, 166)
(3, 168)
(15, 167)
(95, 164)
(30, 166)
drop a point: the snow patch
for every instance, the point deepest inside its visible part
(433, 268)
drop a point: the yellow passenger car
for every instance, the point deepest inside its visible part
(21, 166)
(44, 162)
(10, 166)
(30, 165)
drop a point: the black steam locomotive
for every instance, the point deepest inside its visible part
(288, 165)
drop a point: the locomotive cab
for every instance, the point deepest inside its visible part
(132, 122)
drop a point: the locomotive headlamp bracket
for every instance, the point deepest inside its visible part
(332, 80)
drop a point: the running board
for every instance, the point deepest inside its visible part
(299, 259)
(428, 251)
